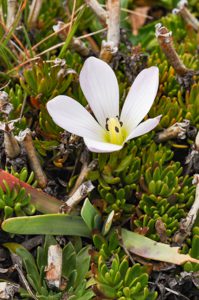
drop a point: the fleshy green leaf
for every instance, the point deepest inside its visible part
(55, 224)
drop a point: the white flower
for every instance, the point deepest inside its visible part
(100, 87)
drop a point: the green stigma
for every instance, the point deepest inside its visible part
(115, 132)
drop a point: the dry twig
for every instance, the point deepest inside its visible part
(80, 194)
(110, 46)
(25, 282)
(26, 139)
(165, 40)
(183, 10)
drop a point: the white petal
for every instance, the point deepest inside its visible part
(140, 97)
(144, 127)
(73, 117)
(101, 147)
(100, 87)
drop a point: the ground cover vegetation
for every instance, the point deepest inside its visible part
(99, 201)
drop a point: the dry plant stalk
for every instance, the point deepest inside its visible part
(11, 12)
(34, 12)
(86, 168)
(110, 47)
(22, 276)
(54, 267)
(80, 194)
(187, 223)
(33, 158)
(177, 130)
(166, 43)
(97, 9)
(186, 14)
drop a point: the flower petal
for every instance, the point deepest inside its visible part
(144, 127)
(73, 117)
(100, 87)
(101, 147)
(140, 97)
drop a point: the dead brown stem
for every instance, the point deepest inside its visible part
(33, 159)
(166, 43)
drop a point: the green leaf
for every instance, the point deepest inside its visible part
(83, 264)
(90, 215)
(69, 260)
(71, 34)
(31, 268)
(42, 252)
(53, 224)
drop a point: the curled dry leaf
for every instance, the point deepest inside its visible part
(145, 247)
(138, 18)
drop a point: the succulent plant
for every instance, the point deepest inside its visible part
(15, 202)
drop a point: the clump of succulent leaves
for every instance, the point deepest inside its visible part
(193, 250)
(15, 201)
(115, 276)
(142, 184)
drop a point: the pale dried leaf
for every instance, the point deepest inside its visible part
(145, 247)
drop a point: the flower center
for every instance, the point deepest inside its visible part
(115, 131)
